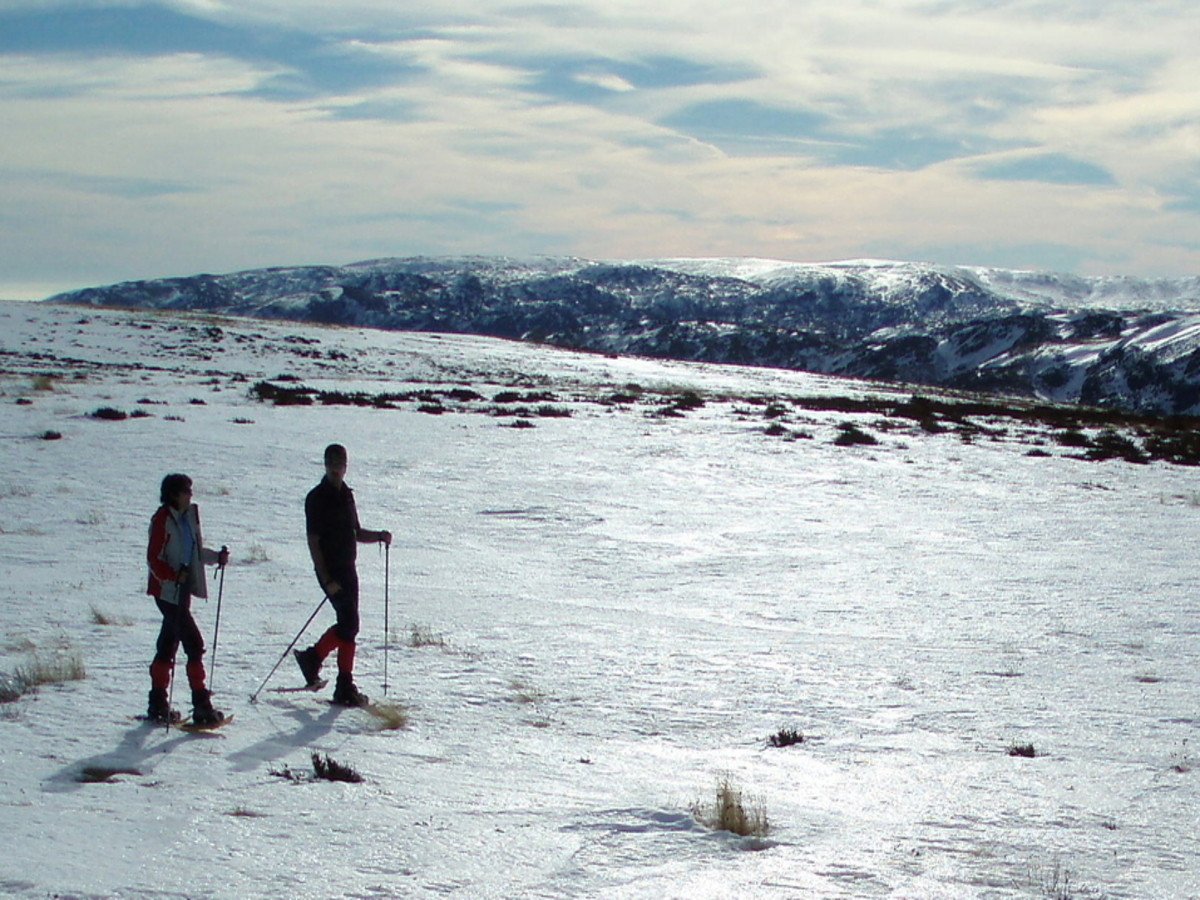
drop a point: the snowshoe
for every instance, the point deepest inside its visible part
(310, 666)
(346, 694)
(158, 709)
(203, 713)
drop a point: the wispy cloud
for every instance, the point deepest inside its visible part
(268, 131)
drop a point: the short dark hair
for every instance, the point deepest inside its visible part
(172, 485)
(335, 453)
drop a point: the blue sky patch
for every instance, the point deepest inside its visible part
(321, 65)
(1052, 168)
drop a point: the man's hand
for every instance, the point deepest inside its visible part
(223, 557)
(385, 537)
(332, 588)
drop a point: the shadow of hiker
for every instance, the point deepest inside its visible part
(308, 729)
(134, 755)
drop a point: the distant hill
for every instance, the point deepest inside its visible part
(1117, 342)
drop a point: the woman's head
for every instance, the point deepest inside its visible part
(173, 486)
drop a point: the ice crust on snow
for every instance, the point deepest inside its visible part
(628, 603)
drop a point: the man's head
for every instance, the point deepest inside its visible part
(336, 462)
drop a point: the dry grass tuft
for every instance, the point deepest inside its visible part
(391, 717)
(424, 636)
(54, 671)
(99, 617)
(730, 811)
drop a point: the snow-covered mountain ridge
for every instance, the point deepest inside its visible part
(1108, 341)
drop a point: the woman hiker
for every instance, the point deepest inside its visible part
(334, 534)
(177, 556)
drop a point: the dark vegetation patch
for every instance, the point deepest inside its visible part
(786, 737)
(299, 395)
(103, 774)
(850, 435)
(328, 769)
(1085, 433)
(324, 768)
(1099, 433)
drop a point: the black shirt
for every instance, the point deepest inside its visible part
(330, 514)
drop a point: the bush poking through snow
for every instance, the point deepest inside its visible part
(324, 768)
(109, 414)
(55, 671)
(390, 716)
(100, 617)
(730, 811)
(786, 737)
(257, 553)
(1025, 750)
(1055, 884)
(287, 774)
(10, 690)
(328, 769)
(850, 434)
(424, 636)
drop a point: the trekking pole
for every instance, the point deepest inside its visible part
(254, 696)
(387, 634)
(212, 670)
(175, 652)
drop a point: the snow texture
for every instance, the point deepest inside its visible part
(593, 621)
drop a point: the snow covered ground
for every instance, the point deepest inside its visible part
(614, 610)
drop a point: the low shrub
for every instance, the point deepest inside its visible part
(99, 617)
(108, 414)
(424, 636)
(54, 671)
(328, 769)
(850, 434)
(389, 716)
(1025, 750)
(786, 737)
(10, 690)
(730, 811)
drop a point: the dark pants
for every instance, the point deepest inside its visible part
(178, 627)
(345, 603)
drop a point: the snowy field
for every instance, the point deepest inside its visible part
(593, 621)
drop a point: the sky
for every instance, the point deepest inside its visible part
(144, 140)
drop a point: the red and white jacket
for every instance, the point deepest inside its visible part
(165, 555)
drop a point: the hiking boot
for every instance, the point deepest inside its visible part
(310, 666)
(159, 708)
(202, 708)
(346, 694)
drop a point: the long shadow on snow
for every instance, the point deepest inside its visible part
(309, 728)
(131, 754)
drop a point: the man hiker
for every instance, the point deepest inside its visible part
(176, 555)
(334, 534)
